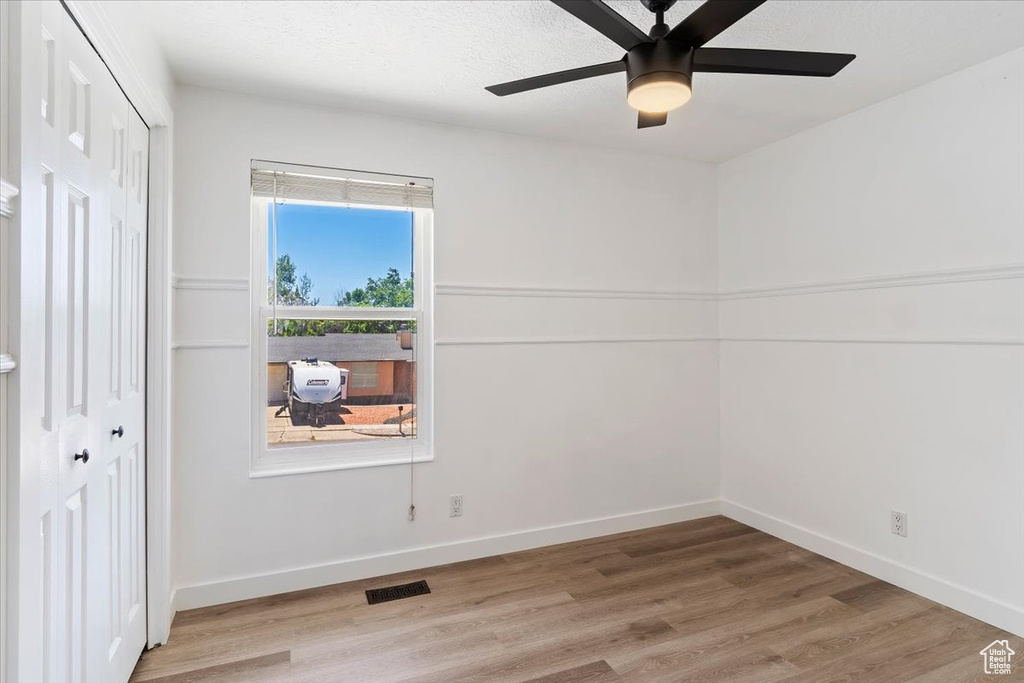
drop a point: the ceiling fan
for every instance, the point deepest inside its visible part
(659, 66)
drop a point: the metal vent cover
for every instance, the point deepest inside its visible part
(389, 593)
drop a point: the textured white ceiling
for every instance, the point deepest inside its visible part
(431, 60)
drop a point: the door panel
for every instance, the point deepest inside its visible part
(76, 232)
(130, 414)
(116, 547)
(114, 355)
(73, 617)
(49, 600)
(136, 542)
(55, 658)
(79, 110)
(52, 286)
(94, 175)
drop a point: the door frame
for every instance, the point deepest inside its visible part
(22, 27)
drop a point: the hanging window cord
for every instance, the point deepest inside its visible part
(274, 229)
(412, 487)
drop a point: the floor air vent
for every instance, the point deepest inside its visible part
(406, 590)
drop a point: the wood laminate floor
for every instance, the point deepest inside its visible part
(708, 600)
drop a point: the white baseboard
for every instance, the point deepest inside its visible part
(173, 609)
(159, 634)
(983, 607)
(245, 587)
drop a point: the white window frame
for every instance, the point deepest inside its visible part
(303, 458)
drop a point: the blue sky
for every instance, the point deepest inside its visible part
(339, 247)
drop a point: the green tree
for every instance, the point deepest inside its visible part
(292, 290)
(388, 291)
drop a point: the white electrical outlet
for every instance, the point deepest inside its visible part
(899, 523)
(455, 505)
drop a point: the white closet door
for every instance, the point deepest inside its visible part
(94, 152)
(124, 418)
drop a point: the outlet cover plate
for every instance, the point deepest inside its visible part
(455, 505)
(898, 521)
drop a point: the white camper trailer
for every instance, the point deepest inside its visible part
(314, 388)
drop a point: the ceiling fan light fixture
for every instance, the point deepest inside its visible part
(659, 64)
(658, 92)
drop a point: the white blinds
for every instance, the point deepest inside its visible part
(307, 185)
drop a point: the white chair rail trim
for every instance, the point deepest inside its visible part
(7, 194)
(7, 363)
(570, 293)
(916, 279)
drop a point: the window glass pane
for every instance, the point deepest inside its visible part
(364, 375)
(340, 381)
(331, 255)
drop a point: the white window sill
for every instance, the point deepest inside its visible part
(268, 467)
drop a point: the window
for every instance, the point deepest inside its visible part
(364, 375)
(342, 326)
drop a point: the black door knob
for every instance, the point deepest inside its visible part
(83, 456)
(119, 432)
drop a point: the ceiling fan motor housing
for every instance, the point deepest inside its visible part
(658, 5)
(659, 60)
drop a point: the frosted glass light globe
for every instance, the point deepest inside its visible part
(658, 95)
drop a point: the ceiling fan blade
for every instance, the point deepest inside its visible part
(544, 81)
(710, 19)
(778, 62)
(605, 20)
(645, 119)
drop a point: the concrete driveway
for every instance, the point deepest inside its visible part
(339, 427)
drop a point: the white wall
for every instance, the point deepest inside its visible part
(510, 211)
(904, 390)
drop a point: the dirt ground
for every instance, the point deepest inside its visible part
(352, 423)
